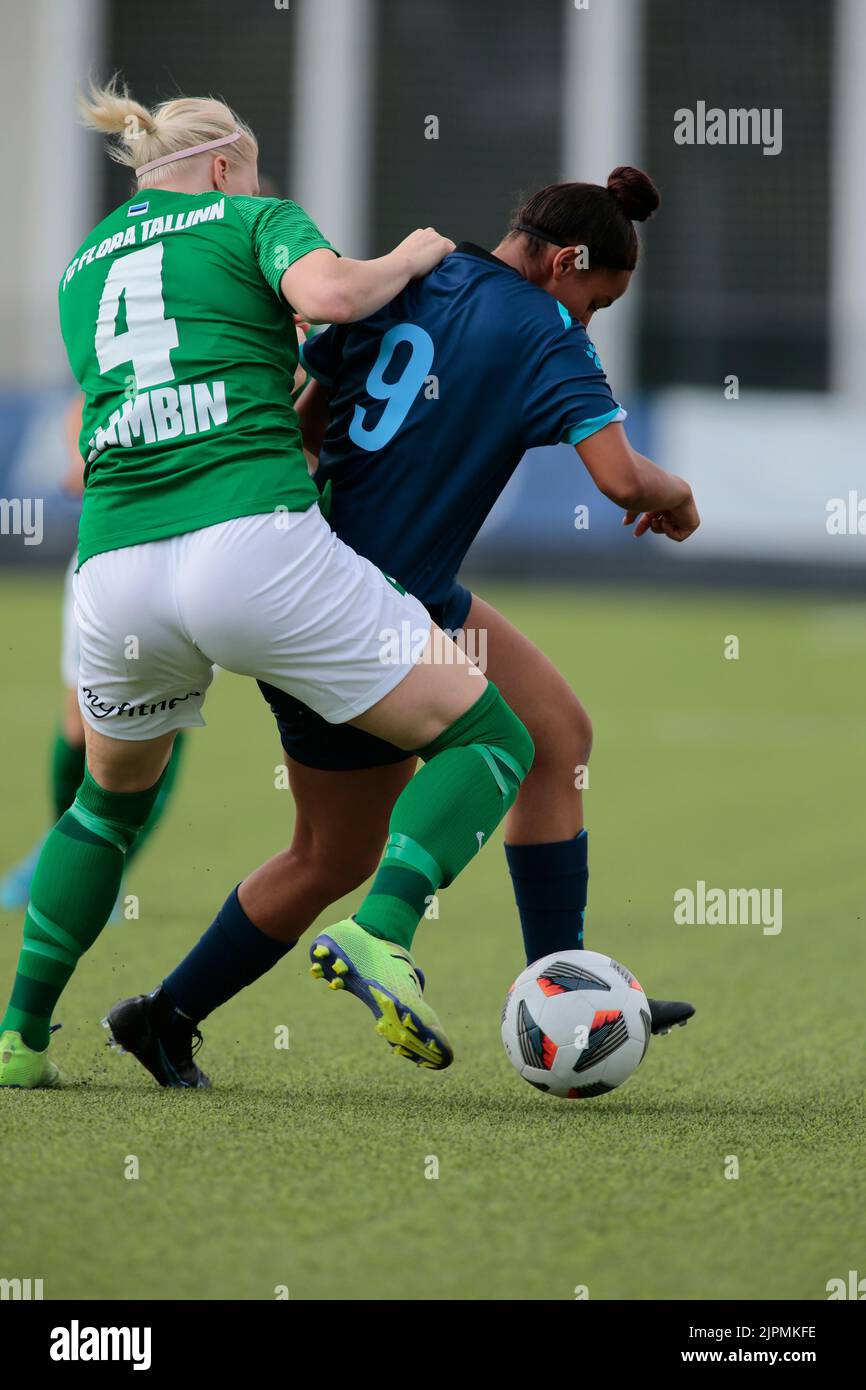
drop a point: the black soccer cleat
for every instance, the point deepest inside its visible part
(161, 1039)
(669, 1013)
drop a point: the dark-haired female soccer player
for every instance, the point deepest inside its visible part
(201, 534)
(412, 479)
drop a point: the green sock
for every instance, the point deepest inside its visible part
(73, 891)
(166, 788)
(67, 770)
(447, 812)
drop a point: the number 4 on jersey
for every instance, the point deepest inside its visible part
(149, 336)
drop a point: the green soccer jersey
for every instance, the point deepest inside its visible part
(185, 350)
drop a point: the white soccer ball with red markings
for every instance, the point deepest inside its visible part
(576, 1024)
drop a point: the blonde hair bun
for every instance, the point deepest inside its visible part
(142, 135)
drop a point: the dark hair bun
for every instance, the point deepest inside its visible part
(635, 192)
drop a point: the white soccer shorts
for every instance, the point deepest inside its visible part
(276, 596)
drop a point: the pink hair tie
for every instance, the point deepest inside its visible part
(186, 154)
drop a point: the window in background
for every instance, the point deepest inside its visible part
(166, 49)
(492, 77)
(736, 272)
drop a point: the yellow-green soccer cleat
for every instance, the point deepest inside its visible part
(23, 1068)
(385, 978)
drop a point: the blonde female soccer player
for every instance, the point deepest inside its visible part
(202, 542)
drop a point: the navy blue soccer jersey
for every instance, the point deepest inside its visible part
(434, 401)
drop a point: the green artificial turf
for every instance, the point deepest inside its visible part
(306, 1168)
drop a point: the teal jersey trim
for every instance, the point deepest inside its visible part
(588, 427)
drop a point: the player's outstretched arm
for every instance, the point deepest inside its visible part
(657, 500)
(325, 288)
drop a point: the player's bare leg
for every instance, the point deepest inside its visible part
(549, 805)
(341, 825)
(548, 812)
(120, 766)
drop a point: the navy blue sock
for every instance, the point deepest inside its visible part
(550, 886)
(232, 954)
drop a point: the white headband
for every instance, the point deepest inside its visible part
(185, 154)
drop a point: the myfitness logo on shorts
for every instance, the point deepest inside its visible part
(101, 709)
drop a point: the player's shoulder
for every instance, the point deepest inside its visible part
(551, 329)
(251, 210)
(256, 209)
(548, 315)
(549, 338)
(524, 305)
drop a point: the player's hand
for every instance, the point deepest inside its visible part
(677, 524)
(424, 249)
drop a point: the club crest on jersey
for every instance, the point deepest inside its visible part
(137, 209)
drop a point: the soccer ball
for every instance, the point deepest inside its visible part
(576, 1024)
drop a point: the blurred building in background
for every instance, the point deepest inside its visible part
(740, 352)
